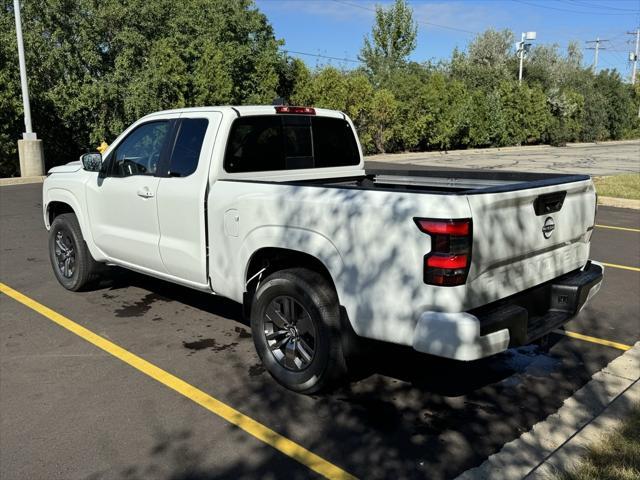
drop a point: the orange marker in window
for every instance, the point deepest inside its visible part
(103, 146)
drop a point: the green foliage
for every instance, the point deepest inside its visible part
(379, 123)
(489, 60)
(96, 66)
(619, 107)
(393, 38)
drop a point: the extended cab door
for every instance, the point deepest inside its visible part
(122, 203)
(184, 179)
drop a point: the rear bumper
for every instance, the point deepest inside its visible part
(511, 322)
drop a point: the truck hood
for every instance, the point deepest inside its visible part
(68, 168)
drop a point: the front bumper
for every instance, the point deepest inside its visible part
(510, 322)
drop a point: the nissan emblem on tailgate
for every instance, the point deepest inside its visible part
(547, 228)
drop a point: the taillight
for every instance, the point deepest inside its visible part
(297, 110)
(447, 265)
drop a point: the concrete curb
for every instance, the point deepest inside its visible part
(20, 180)
(619, 202)
(550, 444)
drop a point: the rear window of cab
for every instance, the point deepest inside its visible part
(288, 142)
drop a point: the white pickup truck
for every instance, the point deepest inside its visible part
(272, 207)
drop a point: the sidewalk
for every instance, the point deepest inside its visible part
(20, 180)
(619, 202)
(559, 441)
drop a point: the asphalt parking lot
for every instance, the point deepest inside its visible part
(71, 410)
(607, 158)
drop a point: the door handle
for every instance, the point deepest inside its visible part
(144, 192)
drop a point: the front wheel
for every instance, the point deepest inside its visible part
(295, 323)
(73, 265)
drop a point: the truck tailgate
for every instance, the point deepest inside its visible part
(524, 237)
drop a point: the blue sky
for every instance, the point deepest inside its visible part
(335, 28)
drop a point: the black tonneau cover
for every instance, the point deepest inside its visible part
(469, 182)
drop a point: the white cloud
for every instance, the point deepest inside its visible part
(474, 16)
(343, 12)
(470, 16)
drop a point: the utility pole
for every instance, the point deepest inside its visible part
(597, 48)
(522, 48)
(634, 56)
(29, 148)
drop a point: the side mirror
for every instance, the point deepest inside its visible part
(91, 162)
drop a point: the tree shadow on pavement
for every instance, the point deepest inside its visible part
(403, 414)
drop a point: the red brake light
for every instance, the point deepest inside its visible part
(297, 110)
(448, 262)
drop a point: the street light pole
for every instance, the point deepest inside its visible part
(28, 131)
(521, 49)
(30, 150)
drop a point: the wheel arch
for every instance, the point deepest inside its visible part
(280, 248)
(273, 259)
(59, 201)
(56, 208)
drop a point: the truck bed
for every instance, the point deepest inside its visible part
(457, 182)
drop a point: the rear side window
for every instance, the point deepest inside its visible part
(186, 150)
(289, 142)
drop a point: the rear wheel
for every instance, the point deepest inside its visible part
(295, 322)
(73, 265)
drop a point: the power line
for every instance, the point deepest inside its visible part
(606, 7)
(317, 55)
(567, 10)
(420, 22)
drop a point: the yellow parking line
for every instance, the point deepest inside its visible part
(600, 341)
(626, 229)
(231, 415)
(623, 267)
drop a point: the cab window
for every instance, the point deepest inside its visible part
(188, 144)
(289, 142)
(139, 153)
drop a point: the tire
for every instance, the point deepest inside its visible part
(72, 263)
(309, 359)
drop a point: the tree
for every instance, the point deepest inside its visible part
(95, 67)
(487, 120)
(350, 92)
(451, 119)
(393, 38)
(491, 48)
(382, 115)
(619, 107)
(489, 60)
(551, 69)
(293, 74)
(566, 107)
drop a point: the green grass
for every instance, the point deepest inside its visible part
(615, 457)
(620, 186)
